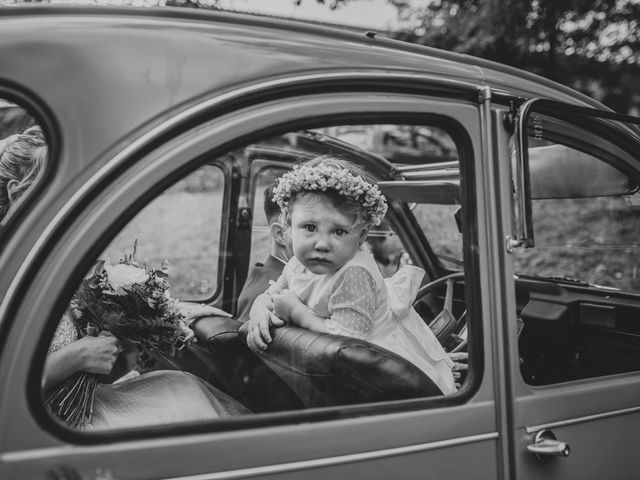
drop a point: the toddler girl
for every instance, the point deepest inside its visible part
(332, 284)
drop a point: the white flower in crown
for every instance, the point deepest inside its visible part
(325, 177)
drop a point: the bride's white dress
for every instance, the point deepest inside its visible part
(154, 398)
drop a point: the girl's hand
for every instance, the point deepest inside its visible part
(284, 304)
(460, 367)
(260, 320)
(97, 354)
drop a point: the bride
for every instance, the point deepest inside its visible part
(152, 398)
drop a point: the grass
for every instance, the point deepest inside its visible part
(594, 239)
(182, 228)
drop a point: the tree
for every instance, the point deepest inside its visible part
(591, 46)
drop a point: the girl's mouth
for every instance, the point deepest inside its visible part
(319, 260)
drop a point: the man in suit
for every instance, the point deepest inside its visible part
(261, 273)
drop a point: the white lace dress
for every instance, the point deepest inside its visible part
(358, 302)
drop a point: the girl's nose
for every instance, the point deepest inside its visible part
(321, 244)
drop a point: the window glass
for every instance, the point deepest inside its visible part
(578, 286)
(440, 226)
(402, 144)
(23, 152)
(590, 236)
(369, 302)
(260, 232)
(181, 228)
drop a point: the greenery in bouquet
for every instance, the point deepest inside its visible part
(131, 302)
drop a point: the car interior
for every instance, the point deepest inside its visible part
(322, 370)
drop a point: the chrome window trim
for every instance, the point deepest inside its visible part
(55, 452)
(577, 420)
(338, 460)
(180, 117)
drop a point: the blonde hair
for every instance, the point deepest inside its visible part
(21, 158)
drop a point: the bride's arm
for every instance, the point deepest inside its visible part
(88, 354)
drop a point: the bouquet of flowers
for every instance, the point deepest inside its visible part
(132, 303)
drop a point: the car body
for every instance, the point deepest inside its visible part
(134, 102)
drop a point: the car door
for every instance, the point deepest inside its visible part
(573, 328)
(458, 436)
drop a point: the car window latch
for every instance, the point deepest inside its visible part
(545, 445)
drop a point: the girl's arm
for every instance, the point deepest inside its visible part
(289, 307)
(260, 320)
(351, 306)
(261, 317)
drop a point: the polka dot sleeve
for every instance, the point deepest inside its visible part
(352, 304)
(65, 334)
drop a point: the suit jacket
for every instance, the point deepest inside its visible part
(257, 283)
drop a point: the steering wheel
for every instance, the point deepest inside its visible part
(446, 327)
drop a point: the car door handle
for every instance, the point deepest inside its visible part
(546, 445)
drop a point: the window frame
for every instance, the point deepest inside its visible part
(45, 119)
(615, 140)
(590, 119)
(218, 146)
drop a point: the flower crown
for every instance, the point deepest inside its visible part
(325, 177)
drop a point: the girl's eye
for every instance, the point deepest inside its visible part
(310, 228)
(340, 232)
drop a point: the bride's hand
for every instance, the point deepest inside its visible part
(97, 354)
(196, 310)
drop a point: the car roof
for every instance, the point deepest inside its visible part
(106, 72)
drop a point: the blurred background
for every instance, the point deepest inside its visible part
(592, 46)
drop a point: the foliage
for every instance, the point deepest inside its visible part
(593, 47)
(132, 304)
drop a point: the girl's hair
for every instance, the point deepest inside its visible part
(346, 185)
(337, 201)
(21, 158)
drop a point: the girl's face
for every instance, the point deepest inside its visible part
(323, 238)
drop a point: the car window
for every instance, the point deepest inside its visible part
(588, 236)
(23, 154)
(578, 286)
(163, 286)
(394, 243)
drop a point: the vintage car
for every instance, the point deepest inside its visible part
(519, 198)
